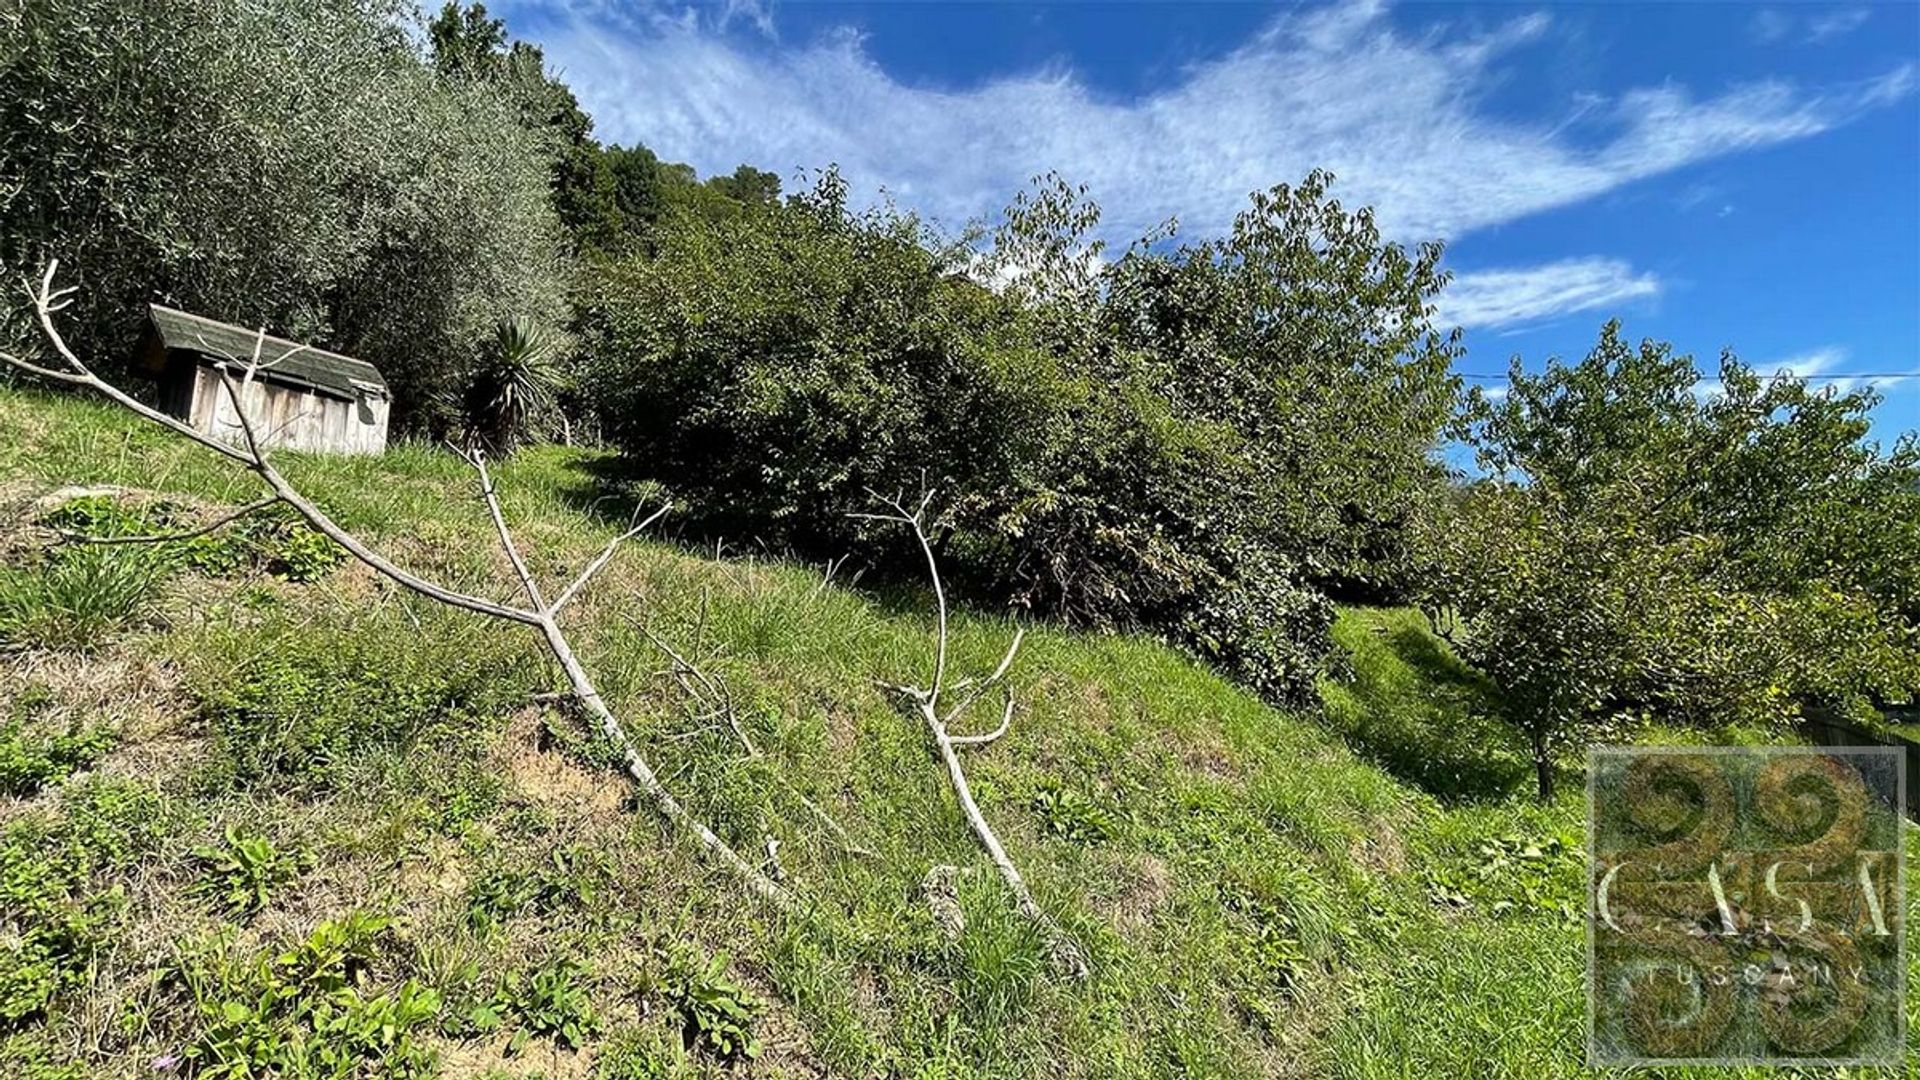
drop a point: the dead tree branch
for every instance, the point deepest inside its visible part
(540, 615)
(215, 525)
(926, 701)
(713, 697)
(605, 555)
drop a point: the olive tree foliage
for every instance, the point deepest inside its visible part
(1201, 441)
(464, 44)
(1649, 545)
(294, 164)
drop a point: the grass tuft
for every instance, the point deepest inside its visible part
(76, 598)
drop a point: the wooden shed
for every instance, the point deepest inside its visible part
(305, 400)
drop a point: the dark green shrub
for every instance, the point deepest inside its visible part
(1266, 628)
(1196, 441)
(776, 365)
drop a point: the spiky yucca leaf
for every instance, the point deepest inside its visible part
(515, 381)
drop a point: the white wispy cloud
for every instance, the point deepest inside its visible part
(1399, 118)
(1395, 116)
(1829, 363)
(1837, 23)
(753, 12)
(1495, 298)
(1827, 366)
(1817, 25)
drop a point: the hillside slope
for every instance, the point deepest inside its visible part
(273, 816)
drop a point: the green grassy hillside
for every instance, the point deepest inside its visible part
(262, 812)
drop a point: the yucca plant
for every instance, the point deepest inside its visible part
(512, 386)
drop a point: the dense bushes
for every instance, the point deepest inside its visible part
(1202, 440)
(1647, 546)
(777, 364)
(286, 163)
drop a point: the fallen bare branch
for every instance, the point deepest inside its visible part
(1006, 721)
(711, 694)
(703, 689)
(604, 557)
(977, 689)
(255, 459)
(1066, 953)
(252, 455)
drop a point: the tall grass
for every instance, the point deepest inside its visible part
(76, 598)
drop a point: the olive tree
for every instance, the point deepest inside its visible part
(289, 163)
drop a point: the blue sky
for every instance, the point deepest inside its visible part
(1717, 174)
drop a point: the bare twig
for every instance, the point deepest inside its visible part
(1067, 954)
(1006, 721)
(826, 579)
(478, 460)
(215, 525)
(713, 699)
(606, 555)
(916, 519)
(252, 455)
(976, 689)
(704, 689)
(774, 868)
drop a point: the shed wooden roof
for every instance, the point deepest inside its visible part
(315, 369)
